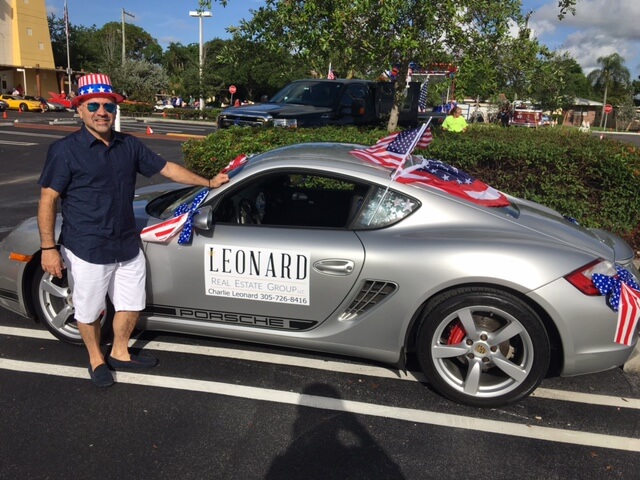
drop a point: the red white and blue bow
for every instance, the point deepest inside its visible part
(623, 297)
(182, 220)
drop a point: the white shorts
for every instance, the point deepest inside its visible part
(90, 283)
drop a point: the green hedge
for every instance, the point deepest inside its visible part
(208, 114)
(595, 181)
(136, 109)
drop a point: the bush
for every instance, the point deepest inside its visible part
(595, 181)
(208, 114)
(136, 109)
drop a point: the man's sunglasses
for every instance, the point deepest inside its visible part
(95, 106)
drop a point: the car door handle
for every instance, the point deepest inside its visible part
(334, 267)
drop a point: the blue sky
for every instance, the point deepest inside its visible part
(600, 27)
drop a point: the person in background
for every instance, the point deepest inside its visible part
(455, 122)
(92, 173)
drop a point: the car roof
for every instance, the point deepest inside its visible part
(330, 156)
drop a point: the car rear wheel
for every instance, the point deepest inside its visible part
(24, 107)
(482, 347)
(53, 302)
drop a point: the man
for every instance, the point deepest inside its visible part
(92, 172)
(455, 122)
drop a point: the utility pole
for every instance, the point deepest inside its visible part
(123, 36)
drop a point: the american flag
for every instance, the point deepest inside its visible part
(422, 99)
(160, 232)
(627, 315)
(236, 163)
(623, 297)
(445, 177)
(391, 151)
(182, 220)
(330, 74)
(66, 20)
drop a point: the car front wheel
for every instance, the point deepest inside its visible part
(53, 302)
(482, 347)
(23, 107)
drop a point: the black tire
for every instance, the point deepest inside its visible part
(53, 303)
(482, 347)
(23, 107)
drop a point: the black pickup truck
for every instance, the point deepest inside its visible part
(314, 103)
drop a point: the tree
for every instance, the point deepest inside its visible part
(559, 81)
(84, 50)
(264, 74)
(139, 79)
(139, 45)
(360, 40)
(182, 67)
(613, 75)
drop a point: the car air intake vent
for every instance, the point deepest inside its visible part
(371, 294)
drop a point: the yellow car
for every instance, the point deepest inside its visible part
(19, 103)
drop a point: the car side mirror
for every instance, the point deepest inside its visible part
(203, 218)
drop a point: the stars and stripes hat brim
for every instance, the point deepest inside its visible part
(95, 85)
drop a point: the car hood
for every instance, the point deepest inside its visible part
(549, 222)
(276, 110)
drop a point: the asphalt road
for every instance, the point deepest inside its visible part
(217, 409)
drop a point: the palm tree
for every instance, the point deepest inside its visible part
(612, 73)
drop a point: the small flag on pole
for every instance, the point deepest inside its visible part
(66, 19)
(330, 74)
(391, 151)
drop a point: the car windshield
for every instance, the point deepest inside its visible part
(318, 94)
(165, 206)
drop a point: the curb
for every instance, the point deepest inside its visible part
(633, 364)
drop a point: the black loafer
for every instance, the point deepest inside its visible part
(137, 362)
(101, 376)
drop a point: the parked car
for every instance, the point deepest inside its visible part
(310, 247)
(159, 106)
(49, 106)
(3, 106)
(21, 104)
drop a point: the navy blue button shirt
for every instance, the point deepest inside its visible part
(96, 183)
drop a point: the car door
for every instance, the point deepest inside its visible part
(287, 268)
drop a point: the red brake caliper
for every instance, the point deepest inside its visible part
(456, 335)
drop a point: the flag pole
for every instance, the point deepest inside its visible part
(395, 173)
(66, 31)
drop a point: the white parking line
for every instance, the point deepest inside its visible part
(291, 398)
(23, 144)
(29, 178)
(333, 366)
(30, 134)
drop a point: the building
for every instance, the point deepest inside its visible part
(26, 56)
(582, 110)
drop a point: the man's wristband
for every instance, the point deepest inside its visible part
(49, 248)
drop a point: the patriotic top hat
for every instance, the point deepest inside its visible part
(95, 85)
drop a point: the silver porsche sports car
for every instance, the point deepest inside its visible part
(312, 247)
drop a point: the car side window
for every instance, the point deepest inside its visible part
(384, 207)
(294, 199)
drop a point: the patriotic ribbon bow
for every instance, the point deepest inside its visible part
(612, 285)
(190, 210)
(182, 220)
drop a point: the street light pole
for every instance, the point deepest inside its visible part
(200, 14)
